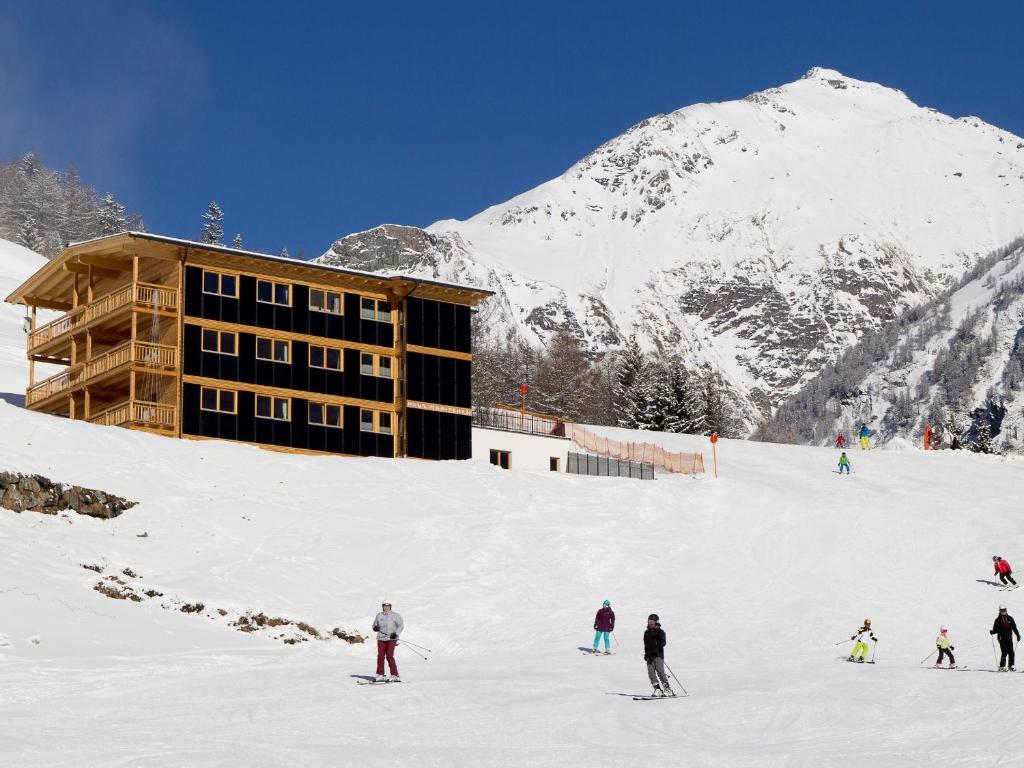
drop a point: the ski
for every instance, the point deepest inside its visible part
(377, 682)
(655, 698)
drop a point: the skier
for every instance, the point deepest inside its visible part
(1003, 570)
(864, 434)
(840, 440)
(388, 626)
(654, 654)
(604, 624)
(1004, 628)
(844, 463)
(861, 646)
(945, 649)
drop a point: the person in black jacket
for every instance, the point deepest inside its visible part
(654, 654)
(1005, 628)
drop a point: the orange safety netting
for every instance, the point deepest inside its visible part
(680, 463)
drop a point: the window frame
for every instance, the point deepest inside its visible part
(274, 285)
(274, 400)
(220, 341)
(326, 294)
(220, 283)
(273, 349)
(375, 426)
(219, 393)
(375, 365)
(326, 349)
(325, 422)
(501, 459)
(375, 313)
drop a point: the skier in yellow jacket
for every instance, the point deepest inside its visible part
(860, 649)
(945, 649)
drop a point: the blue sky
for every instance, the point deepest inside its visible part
(307, 121)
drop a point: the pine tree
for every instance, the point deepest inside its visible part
(237, 242)
(111, 217)
(627, 397)
(284, 253)
(563, 383)
(983, 441)
(715, 414)
(212, 231)
(29, 234)
(683, 411)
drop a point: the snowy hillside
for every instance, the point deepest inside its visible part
(956, 363)
(758, 236)
(17, 263)
(500, 573)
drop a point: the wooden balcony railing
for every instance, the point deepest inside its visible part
(138, 352)
(147, 294)
(137, 412)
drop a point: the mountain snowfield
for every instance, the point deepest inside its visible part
(758, 237)
(758, 576)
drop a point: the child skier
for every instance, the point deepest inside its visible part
(654, 654)
(1003, 570)
(864, 434)
(840, 440)
(861, 647)
(945, 649)
(844, 463)
(604, 624)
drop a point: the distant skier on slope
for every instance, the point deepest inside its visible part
(388, 625)
(861, 646)
(604, 625)
(945, 648)
(1003, 570)
(654, 654)
(864, 434)
(844, 463)
(1004, 628)
(840, 440)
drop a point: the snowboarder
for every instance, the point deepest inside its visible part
(388, 625)
(840, 440)
(865, 433)
(654, 654)
(604, 624)
(945, 649)
(844, 463)
(860, 649)
(1003, 570)
(1004, 628)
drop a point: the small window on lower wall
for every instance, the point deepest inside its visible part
(500, 458)
(217, 400)
(554, 464)
(375, 421)
(325, 415)
(268, 407)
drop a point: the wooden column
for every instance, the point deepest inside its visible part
(31, 359)
(88, 403)
(88, 290)
(71, 406)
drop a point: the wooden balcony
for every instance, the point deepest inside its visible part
(132, 353)
(141, 295)
(139, 413)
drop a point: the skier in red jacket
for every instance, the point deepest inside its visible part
(1003, 570)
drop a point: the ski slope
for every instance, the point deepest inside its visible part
(755, 576)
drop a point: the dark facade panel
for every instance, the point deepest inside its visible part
(439, 436)
(441, 380)
(439, 324)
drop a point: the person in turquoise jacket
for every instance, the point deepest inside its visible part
(864, 434)
(844, 463)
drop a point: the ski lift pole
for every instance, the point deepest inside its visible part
(714, 451)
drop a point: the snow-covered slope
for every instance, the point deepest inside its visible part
(17, 263)
(758, 236)
(500, 574)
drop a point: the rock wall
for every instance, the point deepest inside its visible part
(36, 493)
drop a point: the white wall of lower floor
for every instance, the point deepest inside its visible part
(533, 452)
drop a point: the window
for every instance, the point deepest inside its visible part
(273, 293)
(222, 342)
(218, 400)
(220, 284)
(553, 464)
(375, 421)
(272, 407)
(324, 301)
(375, 365)
(326, 415)
(324, 357)
(273, 349)
(375, 309)
(500, 458)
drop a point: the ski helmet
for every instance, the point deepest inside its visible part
(608, 603)
(867, 621)
(1002, 607)
(943, 630)
(653, 617)
(996, 557)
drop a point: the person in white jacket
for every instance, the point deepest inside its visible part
(388, 625)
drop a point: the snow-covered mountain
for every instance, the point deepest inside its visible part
(758, 236)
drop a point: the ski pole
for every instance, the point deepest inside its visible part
(874, 650)
(995, 658)
(922, 661)
(844, 641)
(417, 646)
(676, 679)
(615, 639)
(417, 653)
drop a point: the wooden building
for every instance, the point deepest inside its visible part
(195, 340)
